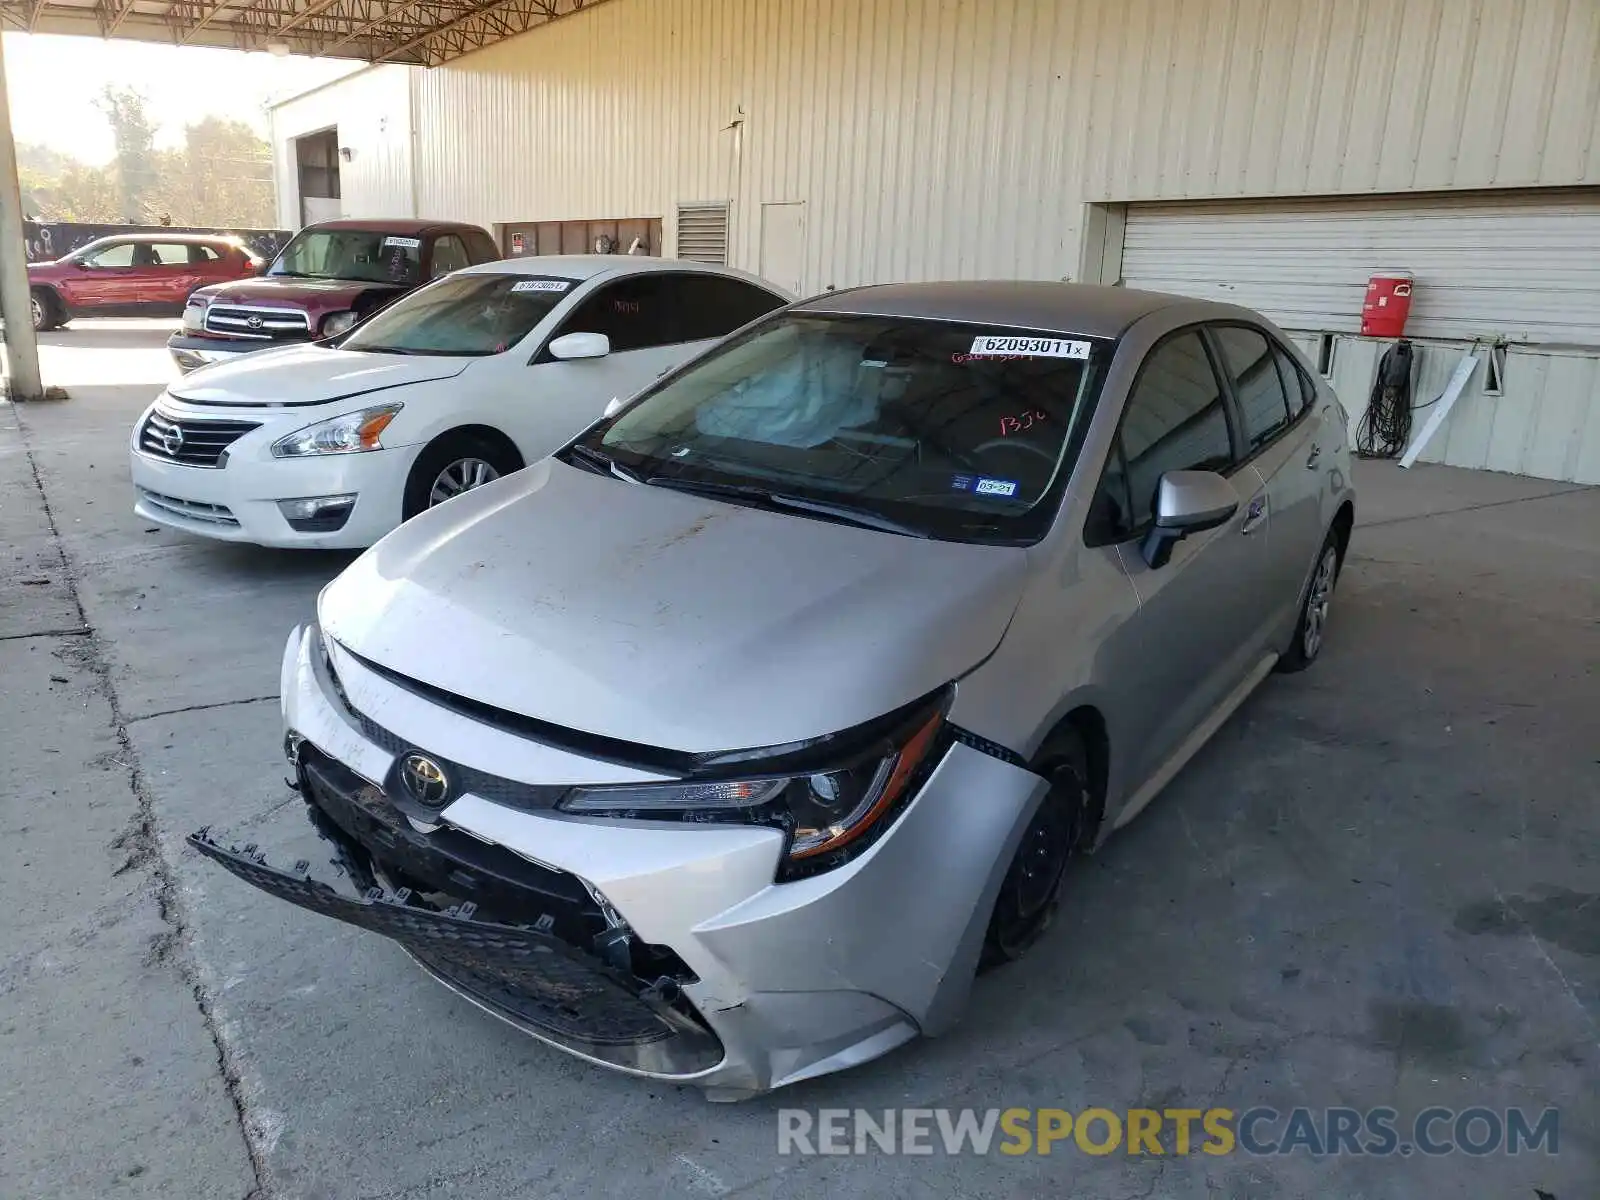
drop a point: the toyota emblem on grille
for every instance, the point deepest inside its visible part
(424, 780)
(254, 322)
(172, 440)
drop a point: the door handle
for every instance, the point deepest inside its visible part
(1316, 453)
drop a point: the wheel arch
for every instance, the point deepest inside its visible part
(488, 433)
(1344, 521)
(51, 296)
(1089, 724)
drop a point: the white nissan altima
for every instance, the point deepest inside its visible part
(334, 443)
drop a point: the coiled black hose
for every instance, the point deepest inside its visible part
(1384, 430)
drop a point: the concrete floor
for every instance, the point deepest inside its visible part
(1376, 887)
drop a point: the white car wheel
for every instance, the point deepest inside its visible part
(462, 475)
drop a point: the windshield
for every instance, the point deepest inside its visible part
(365, 254)
(957, 431)
(462, 315)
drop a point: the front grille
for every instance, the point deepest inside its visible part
(263, 324)
(195, 443)
(505, 886)
(193, 510)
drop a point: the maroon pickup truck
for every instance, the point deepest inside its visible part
(328, 277)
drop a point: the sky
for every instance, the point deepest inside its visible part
(53, 83)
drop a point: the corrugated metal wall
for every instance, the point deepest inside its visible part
(1546, 423)
(372, 110)
(960, 138)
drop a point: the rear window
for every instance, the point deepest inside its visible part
(467, 315)
(370, 256)
(963, 431)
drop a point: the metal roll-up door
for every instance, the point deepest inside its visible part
(1523, 266)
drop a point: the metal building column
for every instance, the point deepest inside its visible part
(22, 348)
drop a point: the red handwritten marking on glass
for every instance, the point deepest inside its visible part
(989, 358)
(1021, 423)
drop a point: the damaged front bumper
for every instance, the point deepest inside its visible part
(526, 976)
(664, 951)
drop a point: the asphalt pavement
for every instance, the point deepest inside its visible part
(1379, 886)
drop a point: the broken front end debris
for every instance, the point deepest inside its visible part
(527, 943)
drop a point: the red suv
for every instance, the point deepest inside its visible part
(327, 278)
(134, 275)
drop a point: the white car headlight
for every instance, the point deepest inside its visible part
(194, 315)
(337, 323)
(353, 433)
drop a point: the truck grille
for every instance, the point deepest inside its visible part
(191, 442)
(263, 324)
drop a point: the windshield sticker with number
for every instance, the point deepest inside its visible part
(541, 285)
(1008, 347)
(402, 243)
(982, 485)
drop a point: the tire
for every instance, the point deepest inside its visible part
(47, 314)
(464, 460)
(1030, 894)
(1311, 629)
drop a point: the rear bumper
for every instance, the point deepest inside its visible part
(788, 980)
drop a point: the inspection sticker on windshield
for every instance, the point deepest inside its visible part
(982, 485)
(996, 347)
(403, 243)
(541, 285)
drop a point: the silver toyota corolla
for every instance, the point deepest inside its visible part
(727, 744)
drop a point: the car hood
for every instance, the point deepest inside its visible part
(668, 620)
(309, 374)
(315, 295)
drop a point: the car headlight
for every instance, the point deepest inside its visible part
(353, 433)
(337, 323)
(831, 808)
(194, 315)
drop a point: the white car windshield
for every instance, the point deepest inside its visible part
(465, 315)
(368, 255)
(950, 430)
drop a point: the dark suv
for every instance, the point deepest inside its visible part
(330, 276)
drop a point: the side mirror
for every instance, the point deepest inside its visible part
(1186, 502)
(580, 345)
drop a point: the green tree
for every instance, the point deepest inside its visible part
(77, 193)
(221, 177)
(135, 137)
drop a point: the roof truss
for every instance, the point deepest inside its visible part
(424, 32)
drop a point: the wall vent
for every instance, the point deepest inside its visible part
(703, 233)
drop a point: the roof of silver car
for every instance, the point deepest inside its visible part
(1085, 309)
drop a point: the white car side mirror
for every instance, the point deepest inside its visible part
(614, 406)
(580, 345)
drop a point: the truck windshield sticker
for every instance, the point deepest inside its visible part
(1006, 347)
(402, 243)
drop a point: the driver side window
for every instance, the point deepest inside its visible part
(1175, 420)
(631, 312)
